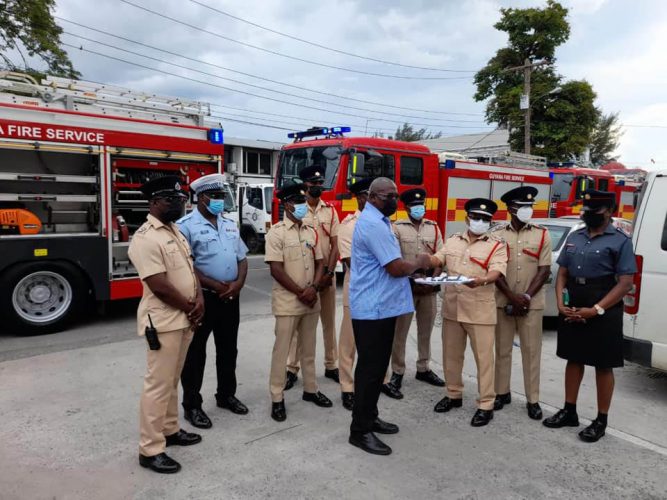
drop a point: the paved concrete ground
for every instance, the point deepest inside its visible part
(69, 405)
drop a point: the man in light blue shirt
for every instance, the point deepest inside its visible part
(379, 293)
(220, 263)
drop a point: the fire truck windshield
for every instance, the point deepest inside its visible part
(294, 160)
(562, 185)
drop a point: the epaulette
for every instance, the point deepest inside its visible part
(279, 224)
(349, 218)
(144, 227)
(499, 227)
(623, 232)
(227, 219)
(403, 221)
(186, 217)
(495, 237)
(430, 222)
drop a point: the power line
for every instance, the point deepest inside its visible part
(281, 54)
(314, 44)
(250, 74)
(264, 88)
(644, 126)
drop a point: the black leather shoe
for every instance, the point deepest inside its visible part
(291, 380)
(232, 404)
(332, 374)
(534, 411)
(198, 418)
(446, 404)
(502, 400)
(278, 412)
(318, 398)
(370, 443)
(382, 427)
(396, 380)
(161, 463)
(182, 438)
(593, 432)
(562, 418)
(430, 378)
(481, 418)
(391, 390)
(348, 400)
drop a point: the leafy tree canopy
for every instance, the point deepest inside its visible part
(407, 133)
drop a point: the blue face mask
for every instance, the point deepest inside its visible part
(215, 206)
(417, 211)
(300, 210)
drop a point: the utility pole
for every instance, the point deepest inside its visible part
(524, 104)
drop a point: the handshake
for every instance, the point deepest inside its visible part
(424, 261)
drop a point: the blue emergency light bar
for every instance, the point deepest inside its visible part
(315, 131)
(216, 136)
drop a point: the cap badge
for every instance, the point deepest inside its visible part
(417, 195)
(483, 207)
(587, 196)
(529, 196)
(302, 192)
(177, 186)
(317, 174)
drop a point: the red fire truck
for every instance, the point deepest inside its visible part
(449, 183)
(72, 157)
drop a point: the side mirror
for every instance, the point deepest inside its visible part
(356, 168)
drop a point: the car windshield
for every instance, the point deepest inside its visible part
(295, 160)
(558, 235)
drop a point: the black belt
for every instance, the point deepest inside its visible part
(600, 280)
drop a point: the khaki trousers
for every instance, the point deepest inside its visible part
(425, 309)
(328, 317)
(454, 336)
(301, 330)
(158, 407)
(347, 350)
(529, 328)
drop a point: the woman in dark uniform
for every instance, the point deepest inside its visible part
(596, 268)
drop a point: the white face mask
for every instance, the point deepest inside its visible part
(478, 227)
(524, 214)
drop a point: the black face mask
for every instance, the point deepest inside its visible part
(389, 208)
(315, 191)
(593, 220)
(174, 212)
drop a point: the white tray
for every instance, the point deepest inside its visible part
(444, 280)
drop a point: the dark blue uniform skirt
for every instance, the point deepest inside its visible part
(599, 341)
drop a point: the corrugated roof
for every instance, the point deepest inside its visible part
(496, 140)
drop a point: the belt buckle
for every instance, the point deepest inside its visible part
(580, 281)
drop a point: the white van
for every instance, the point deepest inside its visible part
(644, 325)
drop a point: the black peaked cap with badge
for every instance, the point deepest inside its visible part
(522, 195)
(481, 206)
(413, 196)
(167, 185)
(361, 185)
(595, 200)
(312, 173)
(293, 192)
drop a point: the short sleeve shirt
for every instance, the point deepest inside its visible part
(217, 249)
(413, 241)
(345, 232)
(324, 219)
(297, 247)
(374, 293)
(161, 248)
(609, 253)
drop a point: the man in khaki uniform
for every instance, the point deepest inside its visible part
(520, 298)
(172, 303)
(416, 235)
(346, 346)
(324, 219)
(294, 256)
(470, 310)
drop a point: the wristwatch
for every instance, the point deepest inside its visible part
(327, 272)
(598, 309)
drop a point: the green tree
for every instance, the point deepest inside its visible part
(563, 114)
(28, 27)
(605, 138)
(407, 133)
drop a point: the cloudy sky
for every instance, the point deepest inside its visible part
(617, 45)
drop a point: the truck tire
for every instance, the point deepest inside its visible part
(252, 241)
(42, 297)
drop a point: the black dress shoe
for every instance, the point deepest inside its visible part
(161, 463)
(332, 374)
(481, 418)
(534, 411)
(291, 380)
(318, 398)
(502, 400)
(198, 418)
(593, 432)
(382, 427)
(232, 404)
(370, 443)
(396, 380)
(182, 438)
(348, 400)
(391, 390)
(430, 378)
(278, 412)
(446, 404)
(562, 418)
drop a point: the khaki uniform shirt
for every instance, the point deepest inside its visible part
(325, 220)
(297, 247)
(460, 256)
(426, 239)
(345, 232)
(527, 250)
(161, 248)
